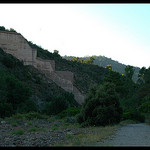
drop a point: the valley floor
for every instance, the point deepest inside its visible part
(50, 132)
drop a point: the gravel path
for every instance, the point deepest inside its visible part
(130, 135)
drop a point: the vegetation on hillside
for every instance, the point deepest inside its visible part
(114, 100)
(24, 89)
(104, 61)
(2, 28)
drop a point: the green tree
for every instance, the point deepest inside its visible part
(129, 71)
(2, 28)
(6, 109)
(17, 91)
(90, 60)
(143, 85)
(147, 75)
(145, 106)
(55, 106)
(12, 30)
(130, 85)
(56, 52)
(14, 96)
(101, 106)
(119, 82)
(141, 73)
(59, 103)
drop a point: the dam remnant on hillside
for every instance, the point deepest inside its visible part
(16, 45)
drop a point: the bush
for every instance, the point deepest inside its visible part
(6, 109)
(29, 116)
(10, 62)
(17, 88)
(35, 115)
(133, 115)
(60, 103)
(26, 107)
(2, 28)
(14, 96)
(57, 105)
(101, 106)
(145, 107)
(72, 111)
(18, 92)
(18, 132)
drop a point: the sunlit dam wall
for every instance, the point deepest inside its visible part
(15, 44)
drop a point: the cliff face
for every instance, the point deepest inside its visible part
(15, 44)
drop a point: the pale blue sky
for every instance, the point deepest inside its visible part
(117, 31)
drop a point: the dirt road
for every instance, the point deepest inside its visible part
(130, 135)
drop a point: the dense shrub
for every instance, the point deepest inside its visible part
(55, 106)
(59, 103)
(18, 132)
(129, 103)
(6, 109)
(28, 106)
(29, 116)
(69, 112)
(145, 107)
(35, 115)
(14, 95)
(2, 28)
(101, 106)
(8, 62)
(133, 115)
(11, 62)
(18, 92)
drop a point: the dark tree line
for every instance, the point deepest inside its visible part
(117, 98)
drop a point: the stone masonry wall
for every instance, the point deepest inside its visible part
(15, 44)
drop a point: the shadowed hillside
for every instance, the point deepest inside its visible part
(41, 89)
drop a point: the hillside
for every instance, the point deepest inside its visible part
(42, 89)
(104, 61)
(85, 75)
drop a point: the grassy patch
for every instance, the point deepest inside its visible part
(89, 136)
(35, 129)
(27, 116)
(125, 122)
(29, 122)
(54, 128)
(14, 124)
(98, 134)
(18, 132)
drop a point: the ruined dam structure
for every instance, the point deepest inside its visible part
(16, 45)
